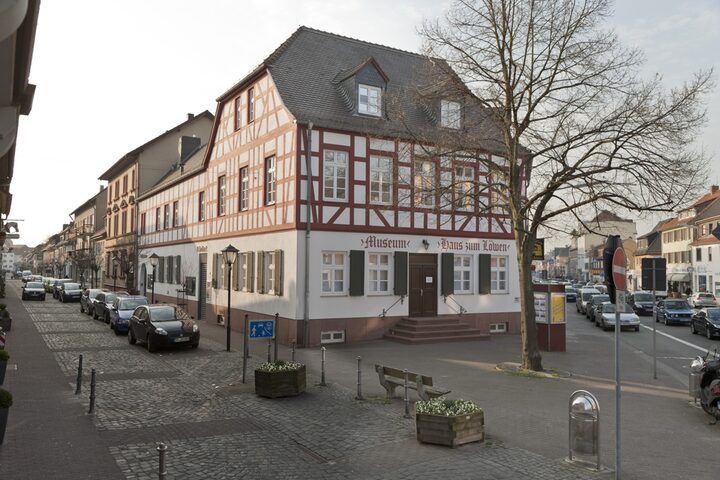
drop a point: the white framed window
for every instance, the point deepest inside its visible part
(463, 273)
(450, 114)
(381, 180)
(244, 188)
(498, 327)
(464, 187)
(220, 272)
(498, 274)
(335, 175)
(333, 273)
(498, 192)
(221, 195)
(424, 183)
(270, 180)
(269, 272)
(379, 274)
(243, 272)
(369, 100)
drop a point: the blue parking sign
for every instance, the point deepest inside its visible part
(261, 328)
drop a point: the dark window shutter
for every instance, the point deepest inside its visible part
(400, 273)
(249, 273)
(484, 277)
(178, 276)
(447, 261)
(357, 273)
(214, 270)
(260, 272)
(278, 272)
(170, 262)
(161, 270)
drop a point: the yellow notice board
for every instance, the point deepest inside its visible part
(558, 308)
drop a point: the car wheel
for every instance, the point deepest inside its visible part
(131, 338)
(115, 329)
(23, 297)
(708, 333)
(150, 344)
(637, 329)
(692, 328)
(82, 309)
(94, 315)
(42, 298)
(107, 317)
(194, 345)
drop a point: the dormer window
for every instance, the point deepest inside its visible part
(369, 100)
(450, 114)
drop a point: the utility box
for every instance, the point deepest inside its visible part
(550, 317)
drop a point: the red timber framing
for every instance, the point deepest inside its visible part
(401, 215)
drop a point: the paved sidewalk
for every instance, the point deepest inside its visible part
(215, 426)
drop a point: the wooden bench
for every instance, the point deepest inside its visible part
(391, 378)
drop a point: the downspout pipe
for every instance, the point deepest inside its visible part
(308, 221)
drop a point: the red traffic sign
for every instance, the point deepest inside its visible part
(618, 268)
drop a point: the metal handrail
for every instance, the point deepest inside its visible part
(459, 312)
(385, 310)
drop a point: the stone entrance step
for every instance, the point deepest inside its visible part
(433, 330)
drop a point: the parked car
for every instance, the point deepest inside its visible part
(570, 294)
(673, 310)
(121, 310)
(594, 301)
(88, 298)
(702, 299)
(162, 325)
(69, 292)
(642, 303)
(33, 290)
(49, 284)
(26, 274)
(56, 286)
(706, 321)
(102, 304)
(605, 317)
(583, 295)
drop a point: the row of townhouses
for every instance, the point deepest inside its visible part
(311, 167)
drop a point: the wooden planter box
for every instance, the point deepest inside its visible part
(450, 431)
(280, 384)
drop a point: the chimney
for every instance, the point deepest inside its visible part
(190, 116)
(714, 188)
(186, 146)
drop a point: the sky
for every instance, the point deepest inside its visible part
(112, 75)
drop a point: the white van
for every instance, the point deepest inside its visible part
(583, 295)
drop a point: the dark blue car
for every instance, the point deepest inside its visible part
(674, 310)
(121, 310)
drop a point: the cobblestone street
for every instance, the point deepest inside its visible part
(217, 428)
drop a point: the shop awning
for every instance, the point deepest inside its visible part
(679, 277)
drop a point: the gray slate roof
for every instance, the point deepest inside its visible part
(306, 67)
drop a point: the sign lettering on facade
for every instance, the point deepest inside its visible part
(371, 241)
(467, 246)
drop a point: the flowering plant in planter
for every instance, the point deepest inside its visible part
(5, 404)
(279, 379)
(5, 399)
(449, 422)
(4, 357)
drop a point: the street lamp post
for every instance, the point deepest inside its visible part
(229, 255)
(154, 259)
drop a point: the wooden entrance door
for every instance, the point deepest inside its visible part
(423, 285)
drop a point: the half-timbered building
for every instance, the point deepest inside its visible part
(317, 173)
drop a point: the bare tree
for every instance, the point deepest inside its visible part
(578, 128)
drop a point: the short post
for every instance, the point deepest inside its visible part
(407, 401)
(245, 347)
(322, 367)
(275, 346)
(359, 395)
(78, 383)
(292, 351)
(91, 410)
(162, 471)
(269, 354)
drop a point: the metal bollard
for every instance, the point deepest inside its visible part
(91, 410)
(322, 368)
(162, 471)
(359, 395)
(292, 354)
(407, 401)
(269, 352)
(78, 383)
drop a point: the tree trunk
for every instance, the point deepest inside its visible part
(531, 358)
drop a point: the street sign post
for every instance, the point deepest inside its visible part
(618, 269)
(262, 329)
(653, 277)
(617, 285)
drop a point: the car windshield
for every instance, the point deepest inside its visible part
(168, 314)
(72, 286)
(586, 295)
(569, 290)
(110, 297)
(94, 292)
(34, 285)
(643, 297)
(713, 313)
(600, 298)
(131, 303)
(676, 305)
